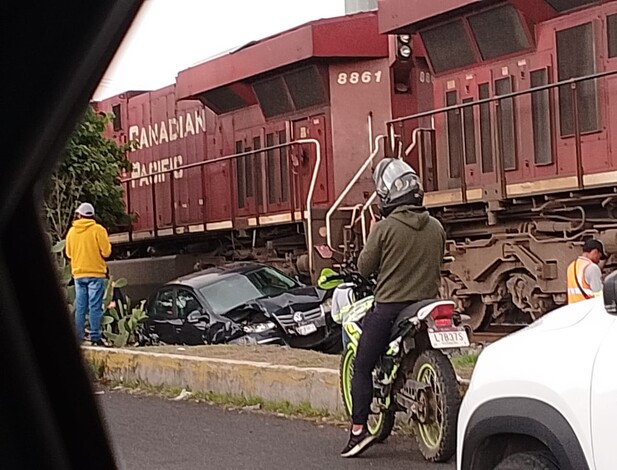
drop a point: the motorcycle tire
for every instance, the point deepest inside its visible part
(379, 425)
(436, 437)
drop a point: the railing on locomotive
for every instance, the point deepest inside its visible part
(367, 205)
(572, 82)
(203, 164)
(354, 179)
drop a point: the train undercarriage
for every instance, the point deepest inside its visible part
(508, 266)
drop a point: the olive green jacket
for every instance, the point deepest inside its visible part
(406, 250)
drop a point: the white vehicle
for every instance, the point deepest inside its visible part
(546, 396)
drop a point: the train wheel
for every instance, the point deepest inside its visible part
(481, 315)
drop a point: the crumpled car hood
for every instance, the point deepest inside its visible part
(300, 299)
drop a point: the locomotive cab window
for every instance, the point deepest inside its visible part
(499, 32)
(576, 57)
(611, 27)
(448, 46)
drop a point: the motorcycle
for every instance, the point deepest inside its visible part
(413, 376)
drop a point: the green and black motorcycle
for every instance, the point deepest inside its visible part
(413, 376)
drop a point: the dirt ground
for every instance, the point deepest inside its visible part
(278, 355)
(262, 353)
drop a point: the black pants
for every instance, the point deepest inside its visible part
(376, 328)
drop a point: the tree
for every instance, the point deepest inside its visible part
(90, 171)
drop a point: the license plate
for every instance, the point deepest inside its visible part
(306, 329)
(451, 338)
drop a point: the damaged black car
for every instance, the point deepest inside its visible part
(241, 303)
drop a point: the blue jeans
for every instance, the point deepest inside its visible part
(89, 297)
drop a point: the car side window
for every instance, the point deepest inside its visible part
(164, 305)
(186, 302)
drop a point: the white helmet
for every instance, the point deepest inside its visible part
(397, 184)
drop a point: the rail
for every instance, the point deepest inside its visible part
(347, 188)
(151, 177)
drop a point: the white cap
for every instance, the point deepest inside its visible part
(85, 210)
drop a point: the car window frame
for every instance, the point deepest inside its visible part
(156, 317)
(194, 293)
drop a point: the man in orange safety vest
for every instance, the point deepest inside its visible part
(584, 275)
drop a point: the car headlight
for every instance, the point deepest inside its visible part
(326, 306)
(259, 327)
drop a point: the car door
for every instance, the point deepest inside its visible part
(603, 401)
(192, 314)
(162, 316)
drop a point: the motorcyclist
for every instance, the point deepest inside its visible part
(406, 249)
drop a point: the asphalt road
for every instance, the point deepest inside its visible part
(153, 433)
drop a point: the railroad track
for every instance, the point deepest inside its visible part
(494, 333)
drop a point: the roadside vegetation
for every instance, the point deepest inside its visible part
(90, 171)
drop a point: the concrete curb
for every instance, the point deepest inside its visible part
(318, 387)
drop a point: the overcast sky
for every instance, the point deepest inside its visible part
(171, 35)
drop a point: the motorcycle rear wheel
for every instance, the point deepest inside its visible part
(379, 425)
(436, 432)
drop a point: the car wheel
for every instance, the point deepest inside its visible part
(333, 344)
(528, 461)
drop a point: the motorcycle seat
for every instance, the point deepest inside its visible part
(402, 320)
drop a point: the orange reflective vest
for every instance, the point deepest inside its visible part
(578, 288)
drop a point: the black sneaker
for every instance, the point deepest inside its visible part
(358, 443)
(100, 342)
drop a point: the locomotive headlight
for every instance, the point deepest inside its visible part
(404, 51)
(404, 38)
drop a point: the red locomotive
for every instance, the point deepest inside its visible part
(504, 108)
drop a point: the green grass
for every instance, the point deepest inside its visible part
(303, 410)
(463, 365)
(466, 361)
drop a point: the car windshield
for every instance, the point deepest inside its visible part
(238, 289)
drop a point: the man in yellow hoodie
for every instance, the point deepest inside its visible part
(87, 246)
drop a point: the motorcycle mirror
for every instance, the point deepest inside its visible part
(324, 251)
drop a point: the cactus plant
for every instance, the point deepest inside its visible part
(120, 321)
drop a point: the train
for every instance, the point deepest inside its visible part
(504, 108)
